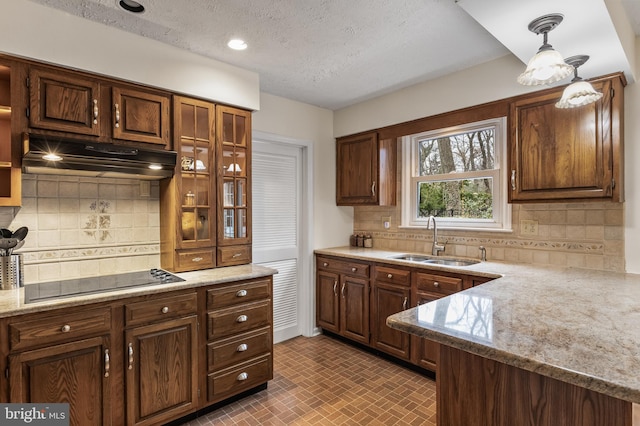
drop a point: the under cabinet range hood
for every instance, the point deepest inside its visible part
(51, 155)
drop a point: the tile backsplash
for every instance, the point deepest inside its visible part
(83, 227)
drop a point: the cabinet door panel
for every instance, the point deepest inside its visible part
(327, 302)
(64, 103)
(424, 352)
(354, 309)
(141, 116)
(162, 380)
(357, 168)
(71, 373)
(389, 300)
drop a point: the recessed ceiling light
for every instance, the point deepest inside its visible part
(131, 6)
(237, 44)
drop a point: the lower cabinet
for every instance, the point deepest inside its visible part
(391, 294)
(350, 305)
(142, 360)
(162, 371)
(342, 302)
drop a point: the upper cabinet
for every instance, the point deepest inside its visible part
(66, 101)
(10, 127)
(366, 170)
(567, 154)
(234, 192)
(187, 207)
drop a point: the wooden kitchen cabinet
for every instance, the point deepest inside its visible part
(239, 337)
(187, 206)
(64, 358)
(567, 154)
(161, 359)
(343, 286)
(366, 170)
(82, 104)
(233, 134)
(391, 293)
(10, 127)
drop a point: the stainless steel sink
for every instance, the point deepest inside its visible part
(435, 260)
(451, 262)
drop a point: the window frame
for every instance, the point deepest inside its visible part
(501, 221)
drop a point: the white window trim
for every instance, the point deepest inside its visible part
(501, 208)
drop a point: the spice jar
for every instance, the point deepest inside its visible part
(360, 240)
(353, 240)
(368, 241)
(190, 199)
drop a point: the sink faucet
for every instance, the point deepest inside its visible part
(436, 248)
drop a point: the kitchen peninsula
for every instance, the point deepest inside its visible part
(537, 347)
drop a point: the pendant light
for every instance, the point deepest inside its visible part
(579, 92)
(547, 66)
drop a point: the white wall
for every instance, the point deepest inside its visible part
(33, 31)
(284, 117)
(632, 173)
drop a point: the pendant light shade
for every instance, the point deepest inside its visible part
(579, 92)
(547, 66)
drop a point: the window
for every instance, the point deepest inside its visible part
(457, 175)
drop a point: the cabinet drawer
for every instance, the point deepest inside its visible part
(438, 283)
(392, 275)
(239, 378)
(238, 319)
(237, 349)
(234, 255)
(59, 328)
(195, 259)
(160, 309)
(226, 296)
(354, 269)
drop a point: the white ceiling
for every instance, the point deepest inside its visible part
(334, 53)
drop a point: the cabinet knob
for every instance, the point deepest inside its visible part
(242, 377)
(242, 318)
(389, 276)
(354, 269)
(241, 348)
(66, 328)
(436, 284)
(165, 309)
(241, 293)
(325, 264)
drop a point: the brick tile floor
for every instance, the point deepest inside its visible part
(322, 381)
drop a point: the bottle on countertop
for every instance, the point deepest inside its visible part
(353, 240)
(368, 241)
(360, 240)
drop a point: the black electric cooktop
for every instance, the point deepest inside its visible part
(82, 286)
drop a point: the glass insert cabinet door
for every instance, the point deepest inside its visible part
(234, 160)
(196, 189)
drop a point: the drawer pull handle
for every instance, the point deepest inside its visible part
(95, 111)
(389, 276)
(354, 269)
(106, 363)
(242, 318)
(241, 293)
(66, 328)
(117, 108)
(404, 304)
(325, 264)
(242, 377)
(196, 259)
(130, 356)
(237, 255)
(241, 348)
(165, 309)
(436, 284)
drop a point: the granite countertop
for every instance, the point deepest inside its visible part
(578, 326)
(12, 301)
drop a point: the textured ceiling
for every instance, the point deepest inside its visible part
(329, 53)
